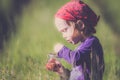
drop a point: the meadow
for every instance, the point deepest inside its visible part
(26, 53)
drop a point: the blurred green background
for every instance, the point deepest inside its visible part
(28, 34)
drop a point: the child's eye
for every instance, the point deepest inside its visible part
(65, 30)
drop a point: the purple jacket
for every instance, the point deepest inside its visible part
(82, 55)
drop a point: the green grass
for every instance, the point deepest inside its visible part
(26, 53)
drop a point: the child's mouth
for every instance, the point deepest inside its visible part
(70, 41)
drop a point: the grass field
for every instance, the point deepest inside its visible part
(25, 55)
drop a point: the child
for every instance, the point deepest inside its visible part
(76, 21)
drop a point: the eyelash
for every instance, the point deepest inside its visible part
(64, 30)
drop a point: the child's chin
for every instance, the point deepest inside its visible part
(72, 42)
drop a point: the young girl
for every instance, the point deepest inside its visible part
(76, 21)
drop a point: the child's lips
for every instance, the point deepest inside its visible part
(69, 41)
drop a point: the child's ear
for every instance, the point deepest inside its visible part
(80, 25)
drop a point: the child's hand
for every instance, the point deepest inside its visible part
(54, 65)
(58, 47)
(50, 65)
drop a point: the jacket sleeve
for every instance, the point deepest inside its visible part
(75, 55)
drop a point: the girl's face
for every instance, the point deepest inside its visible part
(69, 32)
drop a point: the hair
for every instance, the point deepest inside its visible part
(86, 30)
(89, 30)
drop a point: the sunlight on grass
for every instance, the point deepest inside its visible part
(26, 55)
